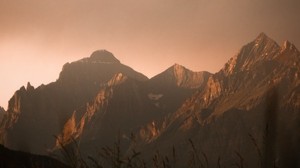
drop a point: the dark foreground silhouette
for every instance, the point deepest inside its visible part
(16, 159)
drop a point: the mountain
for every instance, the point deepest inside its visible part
(119, 107)
(90, 97)
(124, 105)
(246, 114)
(37, 114)
(169, 89)
(248, 110)
(16, 159)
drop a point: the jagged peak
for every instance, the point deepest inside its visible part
(29, 87)
(261, 48)
(264, 39)
(261, 36)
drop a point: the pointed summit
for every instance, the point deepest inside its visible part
(29, 87)
(178, 72)
(260, 49)
(182, 77)
(177, 69)
(262, 35)
(263, 39)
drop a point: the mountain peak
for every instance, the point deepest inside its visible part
(182, 77)
(263, 39)
(260, 49)
(29, 87)
(103, 56)
(177, 67)
(178, 71)
(262, 35)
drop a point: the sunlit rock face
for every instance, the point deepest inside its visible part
(256, 92)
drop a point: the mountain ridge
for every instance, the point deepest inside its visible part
(50, 105)
(259, 87)
(64, 106)
(239, 101)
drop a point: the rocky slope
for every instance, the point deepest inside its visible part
(249, 110)
(123, 106)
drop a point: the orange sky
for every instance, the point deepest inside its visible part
(38, 36)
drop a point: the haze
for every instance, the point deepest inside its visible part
(38, 37)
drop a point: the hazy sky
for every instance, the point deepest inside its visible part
(38, 36)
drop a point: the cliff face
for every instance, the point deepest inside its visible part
(119, 107)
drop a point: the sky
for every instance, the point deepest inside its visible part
(37, 37)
